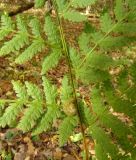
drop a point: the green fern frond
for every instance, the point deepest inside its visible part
(100, 154)
(126, 28)
(14, 44)
(47, 119)
(106, 23)
(66, 90)
(119, 10)
(31, 115)
(51, 61)
(11, 113)
(131, 4)
(6, 26)
(21, 24)
(82, 3)
(119, 129)
(104, 141)
(90, 75)
(36, 46)
(52, 32)
(118, 104)
(33, 91)
(50, 92)
(39, 3)
(111, 43)
(35, 25)
(88, 118)
(2, 103)
(66, 128)
(6, 22)
(74, 16)
(96, 61)
(62, 5)
(132, 71)
(75, 57)
(20, 90)
(83, 41)
(19, 40)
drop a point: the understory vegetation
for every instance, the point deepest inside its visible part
(103, 62)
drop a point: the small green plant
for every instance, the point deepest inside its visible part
(112, 97)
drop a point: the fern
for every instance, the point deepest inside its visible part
(104, 143)
(74, 16)
(30, 116)
(50, 92)
(66, 90)
(66, 128)
(6, 26)
(47, 119)
(33, 91)
(52, 32)
(119, 10)
(29, 53)
(20, 90)
(82, 3)
(90, 64)
(51, 61)
(11, 113)
(39, 3)
(52, 112)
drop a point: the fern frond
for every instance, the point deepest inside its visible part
(103, 139)
(15, 44)
(36, 46)
(126, 28)
(66, 90)
(83, 41)
(31, 115)
(96, 61)
(118, 104)
(82, 3)
(47, 119)
(21, 24)
(74, 16)
(106, 23)
(86, 114)
(90, 75)
(51, 61)
(11, 113)
(100, 154)
(52, 32)
(6, 26)
(132, 71)
(20, 90)
(35, 25)
(119, 129)
(66, 128)
(119, 10)
(39, 3)
(33, 91)
(62, 5)
(50, 92)
(75, 57)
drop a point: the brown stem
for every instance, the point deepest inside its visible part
(66, 51)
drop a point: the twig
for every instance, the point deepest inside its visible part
(21, 9)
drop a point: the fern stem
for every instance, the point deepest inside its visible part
(66, 51)
(96, 45)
